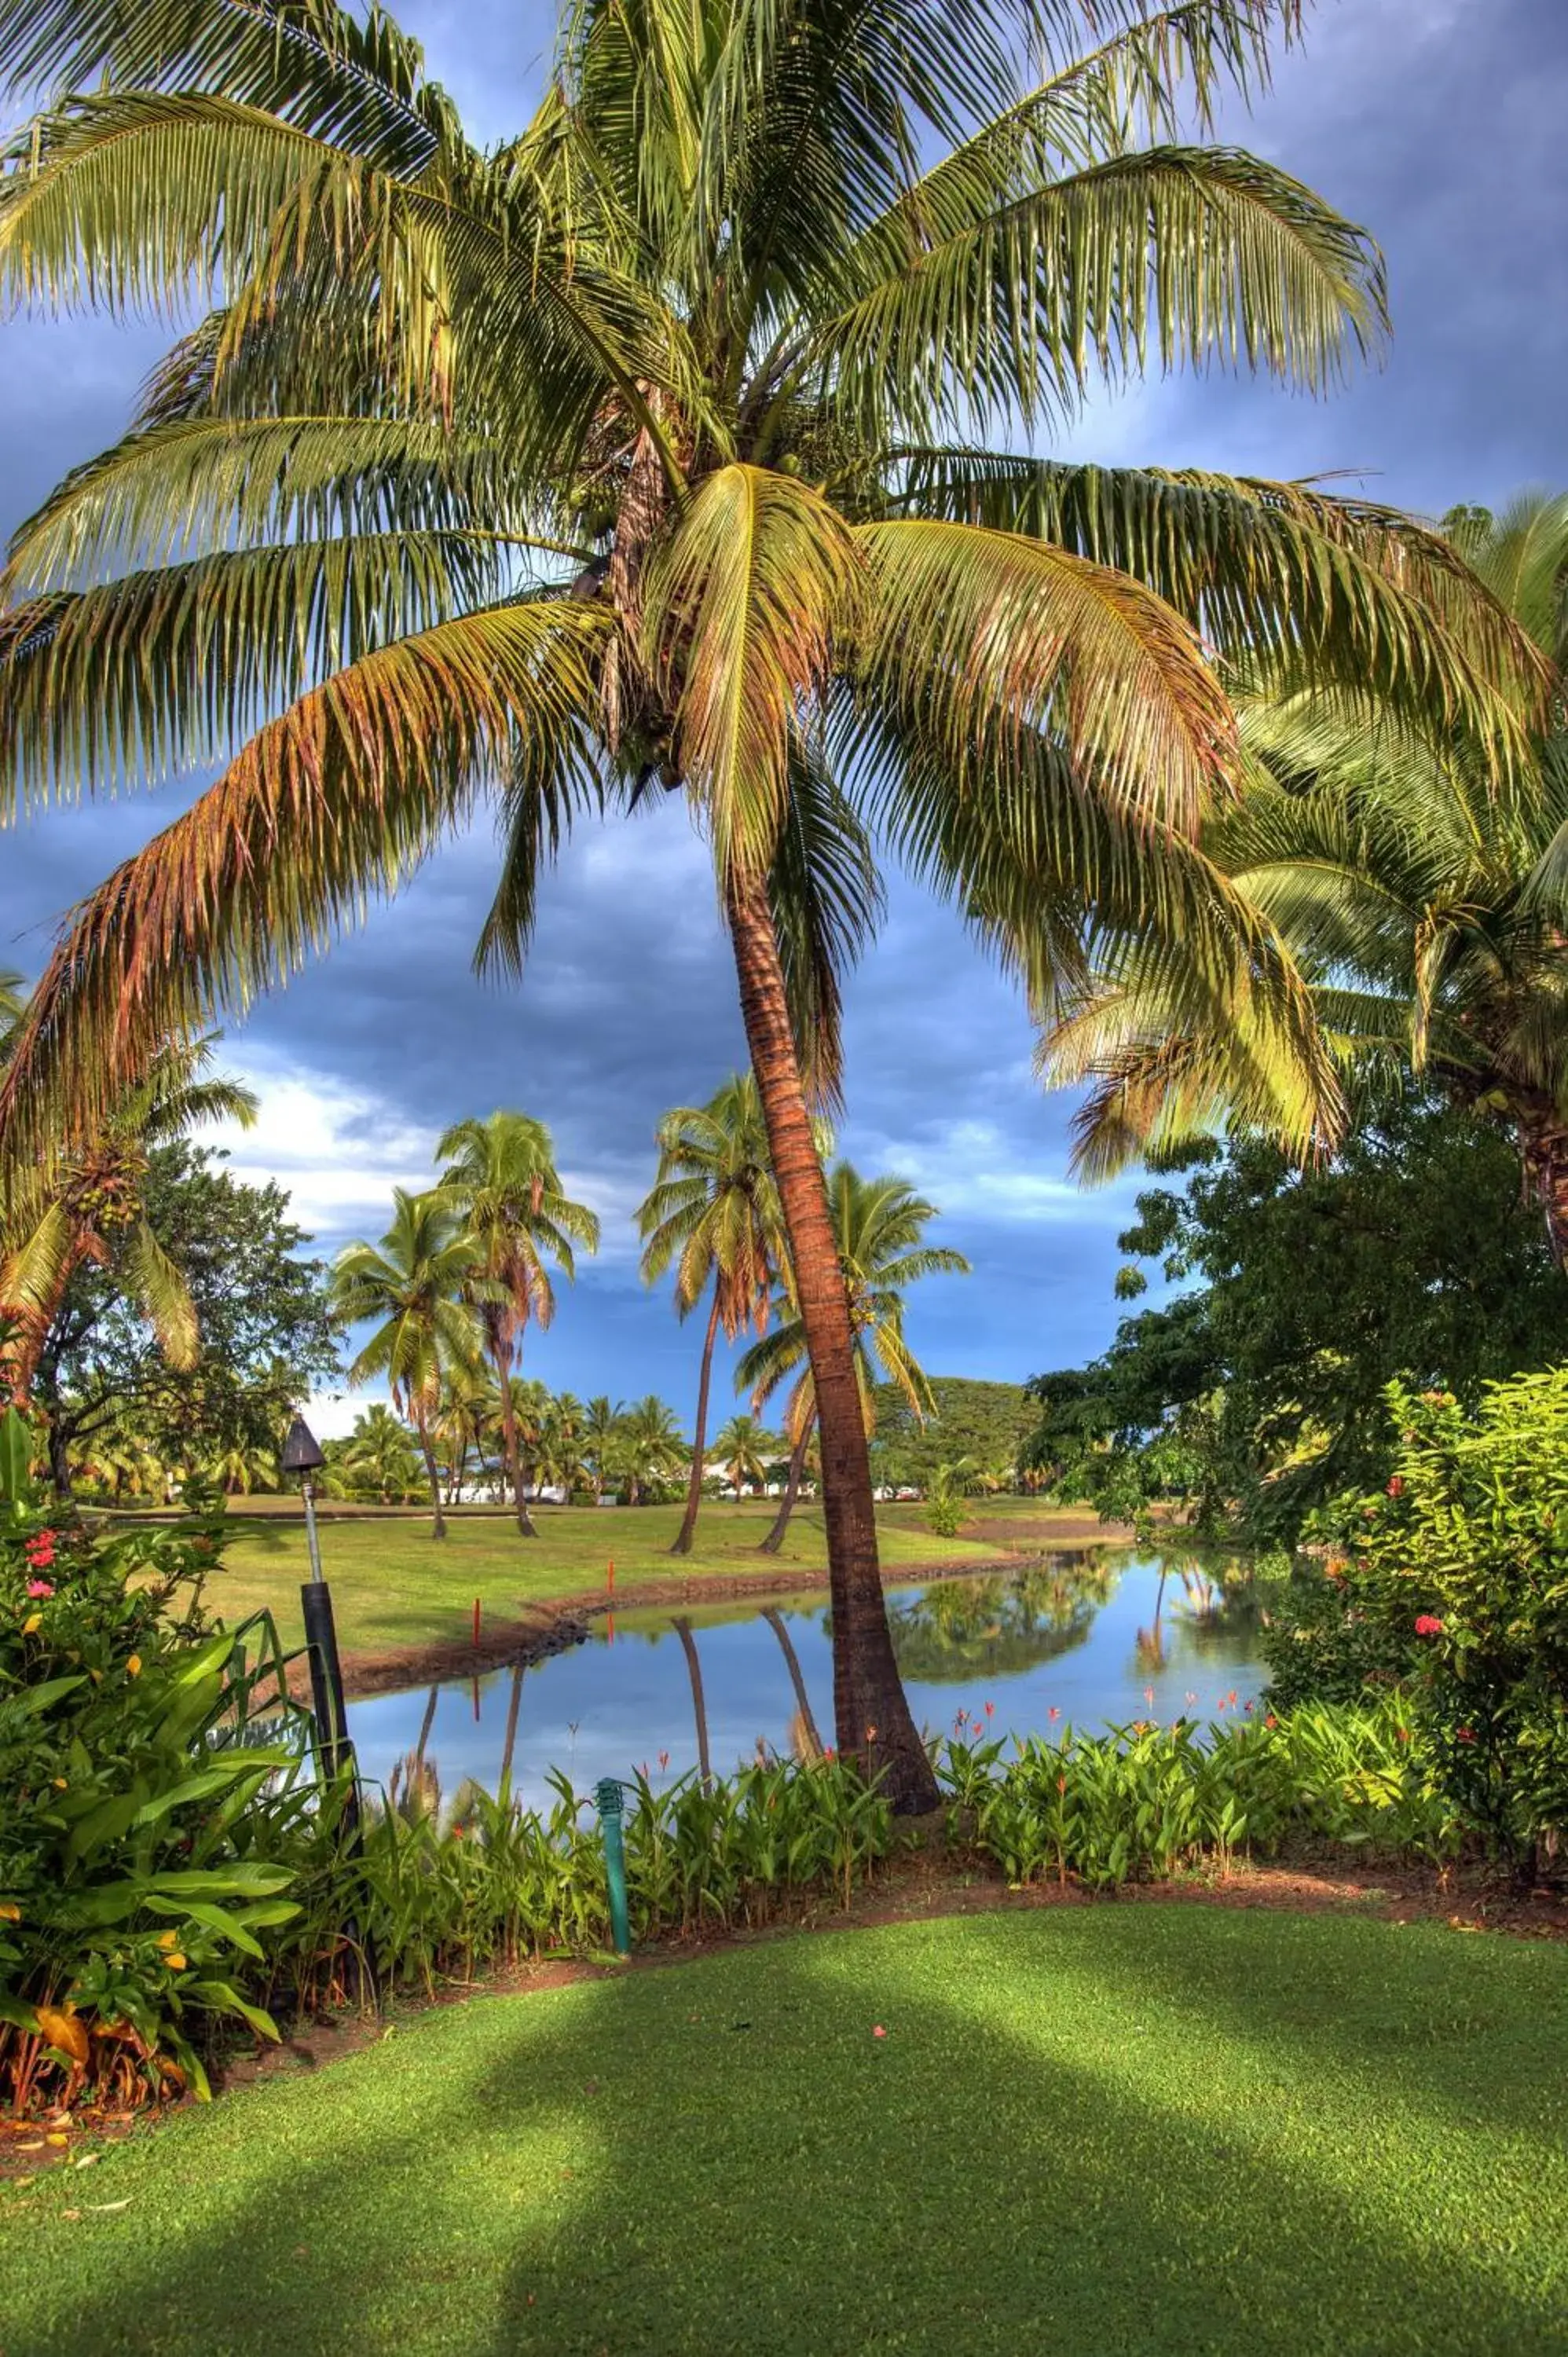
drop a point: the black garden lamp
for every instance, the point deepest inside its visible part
(301, 1455)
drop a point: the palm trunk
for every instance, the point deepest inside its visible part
(501, 1352)
(792, 1663)
(433, 1475)
(682, 1629)
(426, 1723)
(509, 1744)
(871, 1713)
(1543, 1147)
(775, 1539)
(687, 1531)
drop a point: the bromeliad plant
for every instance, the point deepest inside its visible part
(629, 459)
(133, 1879)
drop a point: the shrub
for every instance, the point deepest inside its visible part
(1455, 1582)
(131, 1878)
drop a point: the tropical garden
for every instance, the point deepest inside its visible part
(677, 456)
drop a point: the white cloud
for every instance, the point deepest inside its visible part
(339, 1150)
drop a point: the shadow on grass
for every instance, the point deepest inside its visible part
(1063, 2142)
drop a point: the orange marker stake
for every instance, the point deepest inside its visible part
(475, 1619)
(610, 1582)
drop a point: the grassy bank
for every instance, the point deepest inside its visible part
(394, 1586)
(1096, 2129)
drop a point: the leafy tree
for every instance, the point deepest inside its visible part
(90, 1209)
(712, 1214)
(966, 1417)
(601, 1420)
(103, 1381)
(502, 1182)
(628, 455)
(648, 1448)
(878, 1227)
(1408, 1255)
(419, 1285)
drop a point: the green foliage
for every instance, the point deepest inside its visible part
(1145, 1801)
(267, 1338)
(1454, 1581)
(945, 1514)
(1408, 1255)
(137, 1855)
(988, 1421)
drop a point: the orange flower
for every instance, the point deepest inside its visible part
(133, 1666)
(174, 1960)
(10, 1913)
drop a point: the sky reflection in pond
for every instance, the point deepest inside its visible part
(1097, 1636)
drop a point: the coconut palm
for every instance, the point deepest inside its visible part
(87, 1206)
(601, 1418)
(378, 1454)
(878, 1226)
(465, 1420)
(501, 1178)
(627, 459)
(241, 1466)
(648, 1448)
(561, 1460)
(419, 1283)
(745, 1449)
(1428, 907)
(712, 1213)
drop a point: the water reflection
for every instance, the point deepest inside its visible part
(1095, 1636)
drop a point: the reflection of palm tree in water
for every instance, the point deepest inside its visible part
(1002, 1625)
(1216, 1611)
(810, 1742)
(1149, 1644)
(682, 1629)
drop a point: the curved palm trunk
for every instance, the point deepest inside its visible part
(500, 1351)
(687, 1531)
(682, 1629)
(775, 1539)
(433, 1475)
(871, 1713)
(508, 1745)
(426, 1723)
(775, 1620)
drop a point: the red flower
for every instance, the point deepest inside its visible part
(879, 2031)
(1404, 1734)
(1467, 1735)
(1396, 1487)
(1053, 1712)
(990, 1707)
(1271, 1720)
(1427, 1624)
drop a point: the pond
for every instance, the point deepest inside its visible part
(1096, 1636)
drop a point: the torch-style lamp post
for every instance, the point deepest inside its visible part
(301, 1455)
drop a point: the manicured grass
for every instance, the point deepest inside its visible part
(1096, 2130)
(392, 1585)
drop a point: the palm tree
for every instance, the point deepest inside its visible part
(627, 459)
(241, 1466)
(501, 1178)
(1428, 909)
(878, 1227)
(745, 1450)
(531, 1408)
(648, 1446)
(601, 1419)
(419, 1283)
(713, 1213)
(379, 1454)
(465, 1419)
(87, 1206)
(561, 1462)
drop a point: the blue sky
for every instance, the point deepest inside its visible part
(1438, 123)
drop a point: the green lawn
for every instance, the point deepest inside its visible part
(392, 1585)
(1099, 2131)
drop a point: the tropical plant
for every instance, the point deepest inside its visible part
(464, 1422)
(89, 1206)
(745, 1450)
(1427, 906)
(419, 1284)
(878, 1225)
(712, 1214)
(501, 1178)
(601, 1420)
(648, 1451)
(379, 1455)
(628, 456)
(237, 1469)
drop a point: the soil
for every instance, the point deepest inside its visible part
(546, 1628)
(916, 1887)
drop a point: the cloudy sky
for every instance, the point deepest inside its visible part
(1439, 123)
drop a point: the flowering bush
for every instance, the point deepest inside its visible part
(129, 1878)
(1454, 1582)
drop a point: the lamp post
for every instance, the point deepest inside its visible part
(301, 1455)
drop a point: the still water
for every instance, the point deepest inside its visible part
(1098, 1636)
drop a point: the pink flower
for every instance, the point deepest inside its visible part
(990, 1707)
(39, 1587)
(1427, 1624)
(879, 2031)
(1053, 1712)
(664, 1759)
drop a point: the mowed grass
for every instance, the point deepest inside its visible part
(393, 1586)
(1102, 2130)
